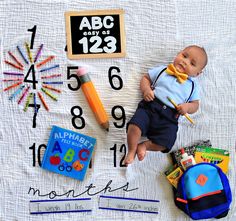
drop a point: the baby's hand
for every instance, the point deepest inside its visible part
(148, 95)
(182, 108)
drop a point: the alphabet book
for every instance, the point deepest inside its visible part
(68, 153)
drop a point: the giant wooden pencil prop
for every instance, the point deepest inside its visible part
(93, 98)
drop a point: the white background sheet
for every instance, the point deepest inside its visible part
(155, 31)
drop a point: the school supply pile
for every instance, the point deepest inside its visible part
(201, 188)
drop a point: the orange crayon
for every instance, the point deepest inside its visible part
(45, 61)
(43, 101)
(51, 88)
(93, 98)
(12, 86)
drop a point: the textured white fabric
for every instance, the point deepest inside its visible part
(155, 31)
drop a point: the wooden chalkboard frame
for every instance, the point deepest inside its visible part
(111, 12)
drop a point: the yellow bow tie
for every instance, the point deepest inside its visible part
(181, 77)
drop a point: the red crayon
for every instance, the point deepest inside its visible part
(16, 60)
(14, 65)
(45, 61)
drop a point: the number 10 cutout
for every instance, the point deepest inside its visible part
(30, 76)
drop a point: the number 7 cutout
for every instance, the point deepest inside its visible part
(95, 34)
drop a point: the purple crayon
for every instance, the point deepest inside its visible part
(38, 53)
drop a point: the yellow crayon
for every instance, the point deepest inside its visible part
(49, 94)
(28, 101)
(186, 115)
(28, 51)
(93, 98)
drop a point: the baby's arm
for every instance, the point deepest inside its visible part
(145, 86)
(189, 108)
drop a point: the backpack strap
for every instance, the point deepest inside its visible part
(155, 81)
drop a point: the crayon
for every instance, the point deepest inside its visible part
(186, 115)
(51, 88)
(14, 65)
(22, 55)
(38, 53)
(93, 98)
(52, 82)
(35, 104)
(51, 76)
(43, 101)
(12, 79)
(23, 95)
(28, 101)
(29, 52)
(12, 86)
(49, 94)
(49, 68)
(16, 92)
(15, 59)
(45, 61)
(13, 73)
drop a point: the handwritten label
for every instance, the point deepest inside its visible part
(129, 204)
(60, 206)
(95, 34)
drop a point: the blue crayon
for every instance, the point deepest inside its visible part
(35, 105)
(22, 55)
(16, 92)
(49, 68)
(53, 82)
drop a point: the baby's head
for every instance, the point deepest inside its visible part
(191, 60)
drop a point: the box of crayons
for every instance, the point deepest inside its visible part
(173, 174)
(216, 156)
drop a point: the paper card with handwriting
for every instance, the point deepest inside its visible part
(129, 204)
(68, 153)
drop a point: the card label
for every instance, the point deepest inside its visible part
(129, 204)
(60, 206)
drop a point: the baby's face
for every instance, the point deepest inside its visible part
(190, 61)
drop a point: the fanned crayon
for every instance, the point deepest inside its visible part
(28, 101)
(12, 86)
(22, 55)
(16, 92)
(14, 65)
(49, 68)
(12, 79)
(51, 88)
(35, 104)
(53, 82)
(29, 52)
(23, 95)
(45, 61)
(43, 101)
(49, 94)
(38, 53)
(51, 76)
(16, 60)
(13, 73)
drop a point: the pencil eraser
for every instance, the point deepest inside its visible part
(81, 71)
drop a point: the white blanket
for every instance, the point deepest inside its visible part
(155, 31)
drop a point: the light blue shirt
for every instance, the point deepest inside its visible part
(168, 86)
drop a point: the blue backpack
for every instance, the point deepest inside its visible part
(203, 192)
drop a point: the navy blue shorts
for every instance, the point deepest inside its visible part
(158, 122)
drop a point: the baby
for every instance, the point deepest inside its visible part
(155, 117)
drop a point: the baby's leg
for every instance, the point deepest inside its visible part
(133, 137)
(147, 145)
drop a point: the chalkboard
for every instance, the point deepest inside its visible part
(95, 34)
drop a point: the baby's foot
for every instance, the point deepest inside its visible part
(129, 158)
(141, 151)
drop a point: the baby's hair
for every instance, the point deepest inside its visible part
(203, 51)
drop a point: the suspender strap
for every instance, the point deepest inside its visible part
(155, 81)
